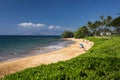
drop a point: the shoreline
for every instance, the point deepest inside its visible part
(62, 54)
(38, 50)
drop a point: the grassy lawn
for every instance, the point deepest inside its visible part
(101, 62)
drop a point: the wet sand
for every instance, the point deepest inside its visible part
(63, 54)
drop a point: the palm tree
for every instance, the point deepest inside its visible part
(102, 17)
(93, 26)
(105, 22)
(116, 24)
(108, 21)
(89, 25)
(81, 32)
(96, 25)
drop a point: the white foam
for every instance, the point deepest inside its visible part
(55, 47)
(49, 48)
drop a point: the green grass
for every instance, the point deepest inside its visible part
(101, 62)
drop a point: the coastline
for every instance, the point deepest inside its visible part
(63, 54)
(36, 52)
(44, 49)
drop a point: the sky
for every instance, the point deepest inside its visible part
(51, 17)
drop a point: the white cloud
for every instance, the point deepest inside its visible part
(38, 25)
(53, 27)
(29, 24)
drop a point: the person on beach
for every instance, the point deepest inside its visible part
(82, 46)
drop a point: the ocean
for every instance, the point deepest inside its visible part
(12, 47)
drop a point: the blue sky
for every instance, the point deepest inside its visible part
(51, 17)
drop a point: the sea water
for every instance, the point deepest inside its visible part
(12, 47)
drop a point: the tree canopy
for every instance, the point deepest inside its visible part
(116, 24)
(67, 34)
(81, 32)
(103, 25)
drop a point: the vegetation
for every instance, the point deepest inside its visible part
(100, 25)
(101, 62)
(116, 24)
(67, 34)
(97, 27)
(81, 32)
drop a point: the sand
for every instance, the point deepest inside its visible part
(63, 54)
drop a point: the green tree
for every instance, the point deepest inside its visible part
(89, 25)
(103, 21)
(116, 24)
(81, 32)
(97, 24)
(94, 26)
(67, 34)
(108, 21)
(102, 17)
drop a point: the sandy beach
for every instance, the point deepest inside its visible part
(63, 54)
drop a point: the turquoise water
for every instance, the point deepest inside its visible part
(19, 46)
